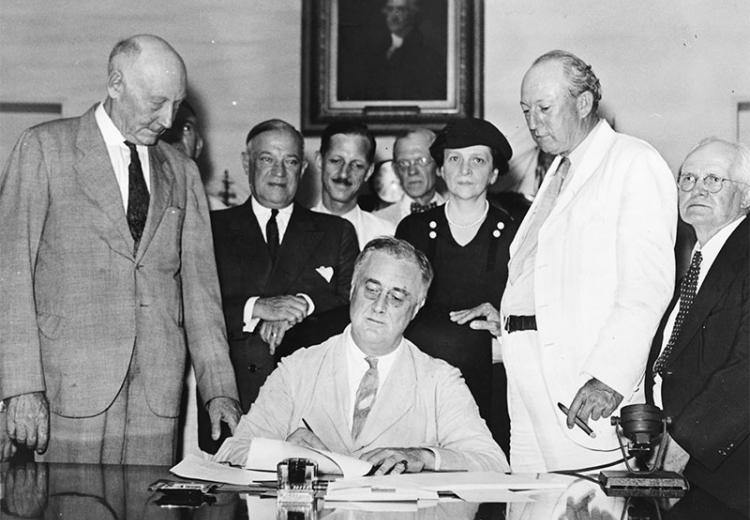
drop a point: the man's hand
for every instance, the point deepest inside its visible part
(675, 457)
(272, 332)
(223, 409)
(491, 321)
(582, 510)
(26, 490)
(7, 446)
(304, 437)
(28, 420)
(594, 399)
(287, 307)
(400, 460)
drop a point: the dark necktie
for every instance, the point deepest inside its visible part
(272, 234)
(416, 207)
(368, 387)
(137, 196)
(687, 294)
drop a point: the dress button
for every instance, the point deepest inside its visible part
(252, 368)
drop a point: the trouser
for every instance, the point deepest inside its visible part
(127, 432)
(538, 442)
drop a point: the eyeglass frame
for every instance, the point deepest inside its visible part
(408, 163)
(695, 177)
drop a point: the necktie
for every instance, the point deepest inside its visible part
(138, 196)
(687, 294)
(368, 387)
(544, 208)
(416, 207)
(272, 234)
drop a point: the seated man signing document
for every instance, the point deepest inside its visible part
(369, 392)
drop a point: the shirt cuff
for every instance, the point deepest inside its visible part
(497, 350)
(247, 315)
(310, 304)
(436, 454)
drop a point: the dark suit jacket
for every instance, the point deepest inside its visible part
(705, 389)
(76, 301)
(311, 241)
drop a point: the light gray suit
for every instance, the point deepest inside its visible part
(424, 403)
(77, 303)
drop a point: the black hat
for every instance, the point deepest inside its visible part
(470, 132)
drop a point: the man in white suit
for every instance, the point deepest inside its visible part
(369, 392)
(590, 275)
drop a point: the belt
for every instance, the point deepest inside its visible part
(519, 323)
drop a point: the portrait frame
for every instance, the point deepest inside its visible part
(322, 102)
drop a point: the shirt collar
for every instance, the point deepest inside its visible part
(712, 248)
(580, 151)
(111, 134)
(262, 211)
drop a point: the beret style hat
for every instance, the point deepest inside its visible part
(470, 132)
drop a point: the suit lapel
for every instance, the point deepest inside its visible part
(394, 400)
(335, 390)
(161, 181)
(300, 241)
(247, 239)
(97, 179)
(730, 262)
(592, 158)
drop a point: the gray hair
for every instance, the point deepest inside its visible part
(396, 248)
(578, 73)
(277, 125)
(740, 162)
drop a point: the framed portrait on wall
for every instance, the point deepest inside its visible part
(391, 63)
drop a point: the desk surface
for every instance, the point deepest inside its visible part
(80, 491)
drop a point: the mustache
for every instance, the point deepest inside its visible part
(342, 180)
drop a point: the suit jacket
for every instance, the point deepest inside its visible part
(81, 300)
(604, 271)
(311, 241)
(423, 403)
(705, 389)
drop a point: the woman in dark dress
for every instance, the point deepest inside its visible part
(467, 242)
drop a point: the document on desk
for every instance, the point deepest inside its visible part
(265, 454)
(195, 468)
(458, 481)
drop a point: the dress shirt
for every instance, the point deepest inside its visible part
(263, 215)
(357, 366)
(119, 154)
(520, 299)
(398, 210)
(709, 252)
(367, 225)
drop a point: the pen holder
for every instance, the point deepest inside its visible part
(296, 478)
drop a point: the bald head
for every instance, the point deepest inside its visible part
(146, 84)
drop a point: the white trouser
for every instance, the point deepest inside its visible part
(538, 442)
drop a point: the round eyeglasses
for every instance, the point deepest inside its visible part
(405, 164)
(713, 183)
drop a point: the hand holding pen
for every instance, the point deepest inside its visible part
(304, 436)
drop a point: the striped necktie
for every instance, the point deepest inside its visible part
(368, 387)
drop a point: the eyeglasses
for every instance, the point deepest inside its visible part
(405, 164)
(713, 183)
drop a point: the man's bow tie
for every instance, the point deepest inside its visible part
(416, 207)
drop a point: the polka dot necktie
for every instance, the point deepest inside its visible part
(368, 387)
(687, 294)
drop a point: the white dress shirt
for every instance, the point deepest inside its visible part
(709, 252)
(263, 215)
(367, 225)
(119, 154)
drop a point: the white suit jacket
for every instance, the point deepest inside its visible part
(604, 270)
(424, 402)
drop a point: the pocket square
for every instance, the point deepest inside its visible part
(325, 272)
